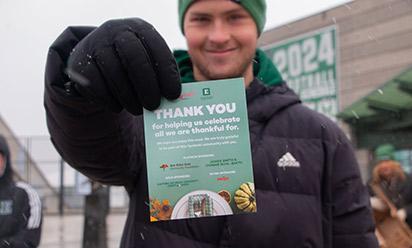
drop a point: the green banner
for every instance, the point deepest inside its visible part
(308, 63)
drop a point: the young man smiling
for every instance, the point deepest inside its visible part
(308, 188)
(222, 39)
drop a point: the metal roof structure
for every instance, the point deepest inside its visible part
(384, 115)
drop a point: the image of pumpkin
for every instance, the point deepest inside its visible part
(245, 197)
(160, 210)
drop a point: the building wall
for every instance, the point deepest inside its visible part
(374, 44)
(374, 38)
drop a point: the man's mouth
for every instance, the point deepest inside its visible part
(220, 51)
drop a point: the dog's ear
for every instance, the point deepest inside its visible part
(399, 172)
(380, 172)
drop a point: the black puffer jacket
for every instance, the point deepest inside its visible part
(319, 203)
(20, 209)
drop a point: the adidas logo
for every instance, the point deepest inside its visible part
(288, 160)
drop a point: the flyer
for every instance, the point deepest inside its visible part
(198, 153)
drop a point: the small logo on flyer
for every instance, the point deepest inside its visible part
(206, 91)
(164, 166)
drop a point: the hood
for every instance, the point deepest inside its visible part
(4, 149)
(263, 68)
(265, 101)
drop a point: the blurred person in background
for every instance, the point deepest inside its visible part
(20, 207)
(395, 183)
(99, 79)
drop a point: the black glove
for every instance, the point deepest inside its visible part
(124, 63)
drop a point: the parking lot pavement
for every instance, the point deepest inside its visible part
(67, 231)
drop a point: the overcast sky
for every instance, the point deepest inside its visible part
(27, 28)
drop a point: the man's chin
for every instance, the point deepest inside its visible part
(216, 72)
(220, 75)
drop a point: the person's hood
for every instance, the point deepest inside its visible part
(4, 149)
(265, 101)
(263, 68)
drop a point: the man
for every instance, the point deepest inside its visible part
(20, 207)
(94, 117)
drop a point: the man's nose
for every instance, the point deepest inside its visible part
(219, 32)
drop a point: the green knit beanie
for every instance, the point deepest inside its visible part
(385, 152)
(256, 8)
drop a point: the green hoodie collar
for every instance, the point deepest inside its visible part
(263, 68)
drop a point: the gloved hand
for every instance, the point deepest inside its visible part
(124, 63)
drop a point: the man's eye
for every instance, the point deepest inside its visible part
(200, 19)
(236, 17)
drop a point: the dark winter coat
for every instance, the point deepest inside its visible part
(20, 209)
(320, 203)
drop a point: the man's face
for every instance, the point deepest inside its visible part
(2, 164)
(221, 37)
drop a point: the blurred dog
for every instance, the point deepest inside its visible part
(392, 178)
(388, 171)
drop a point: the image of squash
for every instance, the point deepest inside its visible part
(245, 197)
(153, 219)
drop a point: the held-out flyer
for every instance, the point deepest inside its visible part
(198, 153)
